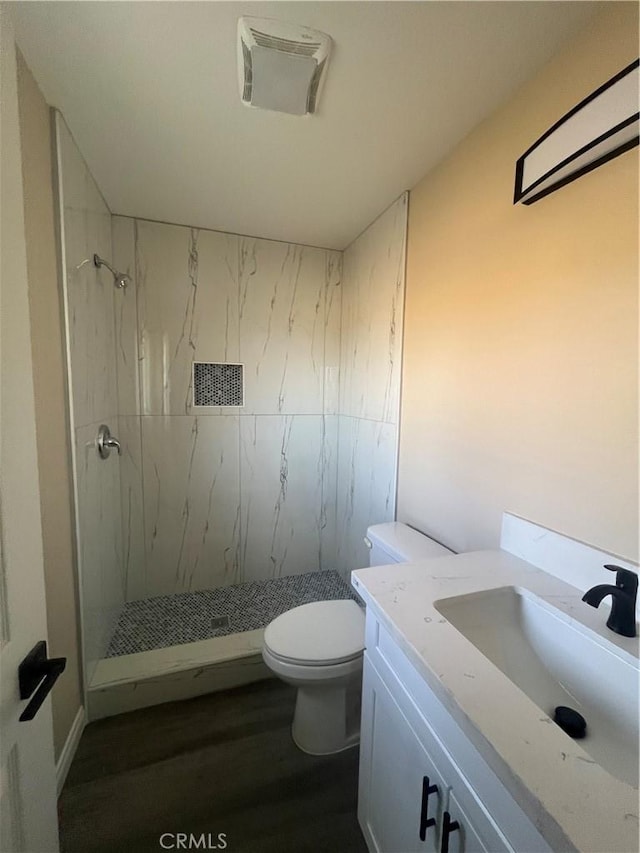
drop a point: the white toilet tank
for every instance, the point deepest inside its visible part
(394, 542)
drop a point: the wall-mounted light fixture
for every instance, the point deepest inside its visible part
(598, 129)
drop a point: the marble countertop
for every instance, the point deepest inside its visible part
(574, 803)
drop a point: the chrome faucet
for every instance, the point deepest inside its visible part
(623, 604)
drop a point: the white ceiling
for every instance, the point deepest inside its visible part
(150, 92)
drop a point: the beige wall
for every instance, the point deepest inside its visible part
(520, 383)
(54, 460)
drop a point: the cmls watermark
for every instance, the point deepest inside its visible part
(189, 841)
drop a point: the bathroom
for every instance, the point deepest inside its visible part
(286, 355)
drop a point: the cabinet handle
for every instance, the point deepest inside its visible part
(425, 821)
(448, 826)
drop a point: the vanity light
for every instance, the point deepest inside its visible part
(599, 128)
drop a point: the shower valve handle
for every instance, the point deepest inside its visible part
(105, 442)
(113, 442)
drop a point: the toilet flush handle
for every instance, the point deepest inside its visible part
(368, 542)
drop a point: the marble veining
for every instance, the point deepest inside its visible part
(275, 308)
(372, 304)
(89, 305)
(366, 485)
(282, 326)
(123, 231)
(372, 295)
(329, 508)
(100, 543)
(124, 234)
(127, 682)
(332, 331)
(281, 472)
(191, 502)
(187, 282)
(131, 478)
(89, 296)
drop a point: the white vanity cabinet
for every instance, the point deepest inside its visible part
(423, 786)
(394, 762)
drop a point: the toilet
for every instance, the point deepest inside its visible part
(319, 648)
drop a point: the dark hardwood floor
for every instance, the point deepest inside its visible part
(222, 763)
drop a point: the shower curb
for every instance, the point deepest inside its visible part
(129, 682)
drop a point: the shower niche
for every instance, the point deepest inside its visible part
(253, 387)
(218, 384)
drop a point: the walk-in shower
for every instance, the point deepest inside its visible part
(222, 510)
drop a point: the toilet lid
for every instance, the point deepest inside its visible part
(319, 633)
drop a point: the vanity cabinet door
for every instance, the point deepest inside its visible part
(464, 838)
(400, 789)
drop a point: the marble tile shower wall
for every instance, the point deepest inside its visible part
(370, 362)
(89, 316)
(214, 496)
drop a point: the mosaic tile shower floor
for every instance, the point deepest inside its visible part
(170, 620)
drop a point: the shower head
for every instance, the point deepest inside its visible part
(120, 279)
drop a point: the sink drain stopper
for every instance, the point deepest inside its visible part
(570, 721)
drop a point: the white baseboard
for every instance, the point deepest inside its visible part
(69, 748)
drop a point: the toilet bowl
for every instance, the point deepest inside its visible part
(319, 647)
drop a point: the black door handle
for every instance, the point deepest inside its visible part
(448, 826)
(425, 820)
(38, 673)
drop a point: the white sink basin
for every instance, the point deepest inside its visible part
(557, 661)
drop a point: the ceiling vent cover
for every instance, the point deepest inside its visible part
(281, 65)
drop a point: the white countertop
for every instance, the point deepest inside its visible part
(573, 802)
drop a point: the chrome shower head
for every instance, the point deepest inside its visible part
(120, 279)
